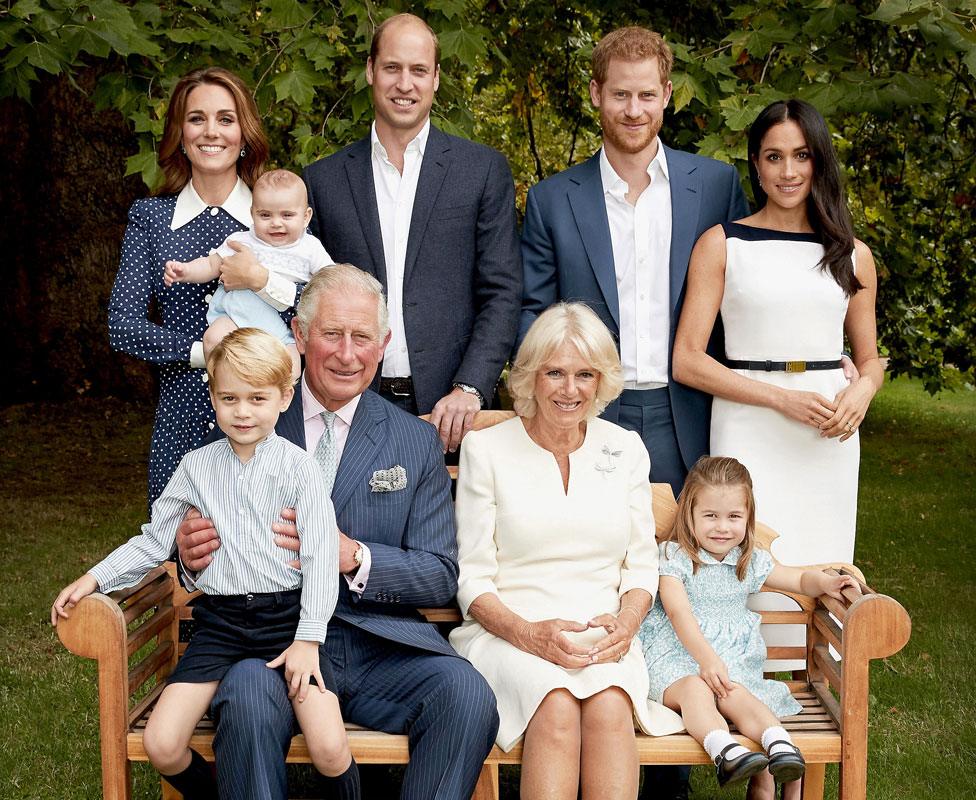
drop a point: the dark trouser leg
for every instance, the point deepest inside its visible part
(441, 702)
(343, 787)
(649, 413)
(254, 729)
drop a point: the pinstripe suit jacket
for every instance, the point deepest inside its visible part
(411, 533)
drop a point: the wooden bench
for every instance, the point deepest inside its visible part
(134, 636)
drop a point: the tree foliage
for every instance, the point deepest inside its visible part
(895, 80)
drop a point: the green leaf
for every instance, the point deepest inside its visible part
(298, 83)
(23, 9)
(144, 163)
(970, 61)
(463, 44)
(320, 53)
(686, 88)
(902, 12)
(287, 13)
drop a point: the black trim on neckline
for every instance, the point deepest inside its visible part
(750, 233)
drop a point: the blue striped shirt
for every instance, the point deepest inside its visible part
(243, 500)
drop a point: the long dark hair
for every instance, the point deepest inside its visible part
(174, 163)
(826, 206)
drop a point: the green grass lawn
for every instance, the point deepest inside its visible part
(72, 486)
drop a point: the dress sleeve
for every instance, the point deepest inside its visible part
(760, 565)
(475, 509)
(639, 568)
(139, 276)
(674, 562)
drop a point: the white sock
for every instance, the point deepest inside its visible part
(716, 741)
(774, 734)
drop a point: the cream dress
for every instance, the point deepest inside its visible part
(547, 553)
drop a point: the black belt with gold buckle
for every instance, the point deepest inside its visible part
(784, 366)
(398, 387)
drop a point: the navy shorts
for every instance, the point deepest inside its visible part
(231, 628)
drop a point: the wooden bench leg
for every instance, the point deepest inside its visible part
(487, 788)
(169, 793)
(813, 782)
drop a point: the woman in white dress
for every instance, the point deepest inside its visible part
(790, 281)
(559, 566)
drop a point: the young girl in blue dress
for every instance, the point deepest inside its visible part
(702, 645)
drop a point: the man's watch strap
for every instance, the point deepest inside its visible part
(358, 555)
(469, 389)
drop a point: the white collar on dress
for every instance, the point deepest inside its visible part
(189, 205)
(731, 557)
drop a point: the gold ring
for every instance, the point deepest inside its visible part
(849, 427)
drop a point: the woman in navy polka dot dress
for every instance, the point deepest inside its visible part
(212, 151)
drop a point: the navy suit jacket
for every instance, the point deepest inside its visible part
(411, 533)
(462, 282)
(567, 255)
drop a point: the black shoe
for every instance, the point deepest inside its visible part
(786, 767)
(734, 770)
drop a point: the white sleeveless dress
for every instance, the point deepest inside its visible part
(779, 305)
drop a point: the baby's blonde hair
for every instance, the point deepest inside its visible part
(256, 357)
(278, 179)
(711, 472)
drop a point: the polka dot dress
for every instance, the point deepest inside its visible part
(184, 415)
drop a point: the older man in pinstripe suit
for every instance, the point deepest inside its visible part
(397, 552)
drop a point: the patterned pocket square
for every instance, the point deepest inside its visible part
(389, 480)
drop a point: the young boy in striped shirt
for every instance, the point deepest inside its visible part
(254, 605)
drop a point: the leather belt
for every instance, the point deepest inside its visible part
(398, 387)
(784, 366)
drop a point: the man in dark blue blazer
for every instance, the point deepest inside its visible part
(432, 217)
(617, 232)
(397, 552)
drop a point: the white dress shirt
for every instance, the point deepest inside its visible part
(279, 292)
(394, 203)
(640, 235)
(314, 428)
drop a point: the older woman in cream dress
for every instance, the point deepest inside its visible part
(559, 566)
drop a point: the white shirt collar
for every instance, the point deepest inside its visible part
(189, 205)
(614, 185)
(311, 407)
(419, 142)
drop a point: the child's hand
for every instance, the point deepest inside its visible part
(716, 675)
(174, 272)
(833, 585)
(301, 661)
(814, 582)
(71, 595)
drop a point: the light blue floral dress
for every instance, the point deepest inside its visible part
(718, 600)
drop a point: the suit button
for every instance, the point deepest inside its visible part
(396, 598)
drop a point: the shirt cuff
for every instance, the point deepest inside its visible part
(104, 576)
(197, 358)
(189, 576)
(310, 630)
(278, 292)
(358, 580)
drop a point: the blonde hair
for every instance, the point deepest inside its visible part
(566, 323)
(711, 472)
(278, 179)
(256, 357)
(173, 161)
(631, 44)
(340, 278)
